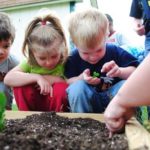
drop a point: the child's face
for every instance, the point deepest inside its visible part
(93, 55)
(4, 49)
(47, 59)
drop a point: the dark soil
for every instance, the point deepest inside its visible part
(48, 131)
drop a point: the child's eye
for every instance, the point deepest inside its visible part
(85, 53)
(99, 50)
(6, 46)
(42, 58)
(55, 56)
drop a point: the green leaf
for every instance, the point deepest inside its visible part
(96, 74)
(2, 110)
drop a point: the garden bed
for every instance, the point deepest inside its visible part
(50, 131)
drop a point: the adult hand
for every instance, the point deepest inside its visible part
(140, 29)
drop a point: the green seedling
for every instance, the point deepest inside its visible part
(146, 124)
(96, 74)
(2, 110)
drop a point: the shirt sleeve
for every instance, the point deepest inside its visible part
(126, 59)
(25, 66)
(136, 10)
(72, 66)
(12, 62)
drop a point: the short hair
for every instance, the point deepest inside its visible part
(7, 30)
(41, 33)
(88, 27)
(109, 18)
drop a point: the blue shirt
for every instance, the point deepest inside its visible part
(75, 65)
(141, 9)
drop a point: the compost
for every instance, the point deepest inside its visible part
(49, 131)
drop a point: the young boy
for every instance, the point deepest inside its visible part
(7, 62)
(95, 70)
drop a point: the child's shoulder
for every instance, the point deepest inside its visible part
(74, 54)
(112, 48)
(13, 58)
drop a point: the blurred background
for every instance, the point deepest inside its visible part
(21, 11)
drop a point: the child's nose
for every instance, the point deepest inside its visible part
(93, 57)
(1, 51)
(48, 62)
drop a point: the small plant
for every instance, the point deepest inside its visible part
(2, 110)
(146, 124)
(96, 74)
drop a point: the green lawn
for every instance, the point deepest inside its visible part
(14, 107)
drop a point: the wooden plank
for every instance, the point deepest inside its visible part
(19, 114)
(137, 136)
(23, 114)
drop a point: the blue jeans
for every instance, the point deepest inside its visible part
(8, 93)
(83, 98)
(147, 44)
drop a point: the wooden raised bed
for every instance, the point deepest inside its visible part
(137, 136)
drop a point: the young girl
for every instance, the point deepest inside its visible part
(38, 81)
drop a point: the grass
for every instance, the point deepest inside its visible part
(14, 107)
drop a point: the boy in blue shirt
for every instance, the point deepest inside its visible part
(95, 70)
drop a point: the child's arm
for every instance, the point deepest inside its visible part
(74, 79)
(113, 70)
(135, 92)
(54, 79)
(16, 77)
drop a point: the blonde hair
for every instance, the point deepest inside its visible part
(7, 30)
(88, 28)
(41, 33)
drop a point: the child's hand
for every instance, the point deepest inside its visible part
(89, 79)
(116, 116)
(112, 69)
(45, 86)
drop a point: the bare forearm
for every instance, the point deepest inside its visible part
(73, 79)
(135, 91)
(53, 79)
(126, 72)
(20, 78)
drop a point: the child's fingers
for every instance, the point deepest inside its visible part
(115, 125)
(108, 66)
(51, 91)
(113, 72)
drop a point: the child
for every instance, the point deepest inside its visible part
(121, 40)
(115, 37)
(135, 92)
(96, 70)
(7, 61)
(38, 82)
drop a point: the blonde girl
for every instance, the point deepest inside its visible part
(38, 81)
